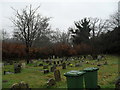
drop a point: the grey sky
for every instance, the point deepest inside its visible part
(64, 13)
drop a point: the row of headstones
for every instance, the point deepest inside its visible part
(17, 69)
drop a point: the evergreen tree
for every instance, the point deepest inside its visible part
(82, 32)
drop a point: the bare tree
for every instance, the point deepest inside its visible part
(4, 35)
(115, 20)
(98, 26)
(29, 25)
(60, 37)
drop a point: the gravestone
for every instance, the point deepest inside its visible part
(23, 65)
(50, 62)
(61, 61)
(46, 71)
(53, 68)
(40, 64)
(17, 68)
(58, 62)
(87, 62)
(57, 75)
(81, 63)
(99, 57)
(105, 63)
(51, 82)
(64, 66)
(45, 66)
(54, 62)
(4, 72)
(99, 64)
(20, 86)
(117, 84)
(77, 65)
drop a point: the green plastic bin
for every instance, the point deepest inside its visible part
(91, 77)
(74, 79)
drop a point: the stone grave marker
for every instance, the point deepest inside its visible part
(57, 75)
(23, 65)
(46, 71)
(20, 86)
(54, 62)
(51, 82)
(53, 68)
(105, 63)
(77, 65)
(17, 68)
(81, 64)
(58, 62)
(40, 64)
(63, 65)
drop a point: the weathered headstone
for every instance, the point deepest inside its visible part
(99, 64)
(87, 62)
(23, 65)
(57, 75)
(81, 64)
(51, 82)
(17, 68)
(54, 62)
(4, 72)
(64, 66)
(99, 57)
(58, 62)
(40, 64)
(105, 63)
(77, 65)
(46, 71)
(20, 86)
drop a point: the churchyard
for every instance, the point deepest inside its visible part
(49, 73)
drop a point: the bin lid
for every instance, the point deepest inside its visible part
(74, 73)
(90, 69)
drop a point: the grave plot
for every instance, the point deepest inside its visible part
(45, 74)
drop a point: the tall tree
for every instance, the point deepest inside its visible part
(29, 25)
(81, 33)
(115, 20)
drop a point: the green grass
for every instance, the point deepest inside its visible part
(107, 75)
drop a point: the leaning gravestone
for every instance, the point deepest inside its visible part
(57, 75)
(64, 66)
(51, 82)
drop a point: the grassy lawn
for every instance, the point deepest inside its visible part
(107, 75)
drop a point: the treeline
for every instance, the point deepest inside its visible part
(15, 51)
(34, 38)
(106, 43)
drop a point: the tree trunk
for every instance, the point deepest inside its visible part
(27, 55)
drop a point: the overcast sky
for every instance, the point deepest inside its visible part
(64, 12)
